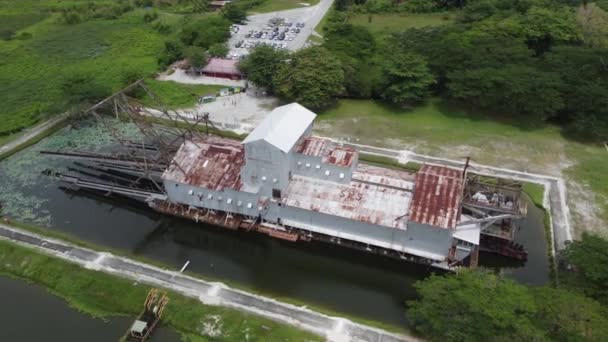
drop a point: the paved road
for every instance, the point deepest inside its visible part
(32, 133)
(333, 328)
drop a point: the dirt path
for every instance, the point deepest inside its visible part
(32, 133)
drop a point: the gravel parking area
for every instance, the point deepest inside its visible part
(309, 16)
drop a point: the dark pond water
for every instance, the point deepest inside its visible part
(334, 278)
(30, 313)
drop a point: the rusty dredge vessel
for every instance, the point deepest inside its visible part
(284, 182)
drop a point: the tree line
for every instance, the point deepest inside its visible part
(533, 60)
(479, 305)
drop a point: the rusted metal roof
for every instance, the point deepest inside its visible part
(312, 146)
(370, 201)
(329, 152)
(210, 162)
(223, 66)
(387, 177)
(437, 196)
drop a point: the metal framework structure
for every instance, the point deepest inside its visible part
(142, 161)
(179, 171)
(148, 319)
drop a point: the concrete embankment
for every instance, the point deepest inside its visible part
(32, 135)
(210, 293)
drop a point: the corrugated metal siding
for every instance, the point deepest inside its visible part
(329, 152)
(437, 196)
(209, 162)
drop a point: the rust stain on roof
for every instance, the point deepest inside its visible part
(329, 152)
(222, 65)
(437, 196)
(209, 162)
(372, 196)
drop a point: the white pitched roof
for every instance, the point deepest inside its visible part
(283, 126)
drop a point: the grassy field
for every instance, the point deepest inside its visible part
(38, 52)
(442, 129)
(33, 70)
(393, 22)
(179, 95)
(103, 295)
(281, 5)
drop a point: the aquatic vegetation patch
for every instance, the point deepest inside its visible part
(22, 182)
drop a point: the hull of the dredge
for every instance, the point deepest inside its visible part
(241, 223)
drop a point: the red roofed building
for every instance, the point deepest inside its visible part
(224, 68)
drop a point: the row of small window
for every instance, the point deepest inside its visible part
(318, 167)
(274, 180)
(220, 198)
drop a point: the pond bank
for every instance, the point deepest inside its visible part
(27, 305)
(103, 295)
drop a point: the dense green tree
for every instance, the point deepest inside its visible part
(234, 13)
(173, 51)
(545, 26)
(419, 6)
(197, 57)
(568, 316)
(71, 17)
(479, 10)
(584, 88)
(518, 89)
(473, 306)
(313, 77)
(593, 22)
(587, 258)
(83, 88)
(199, 6)
(261, 65)
(348, 41)
(218, 50)
(407, 78)
(342, 5)
(356, 48)
(205, 32)
(150, 16)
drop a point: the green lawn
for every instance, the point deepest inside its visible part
(32, 71)
(179, 95)
(441, 129)
(281, 5)
(103, 295)
(393, 22)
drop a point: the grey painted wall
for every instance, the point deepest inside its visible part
(310, 166)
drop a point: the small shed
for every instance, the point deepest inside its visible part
(225, 68)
